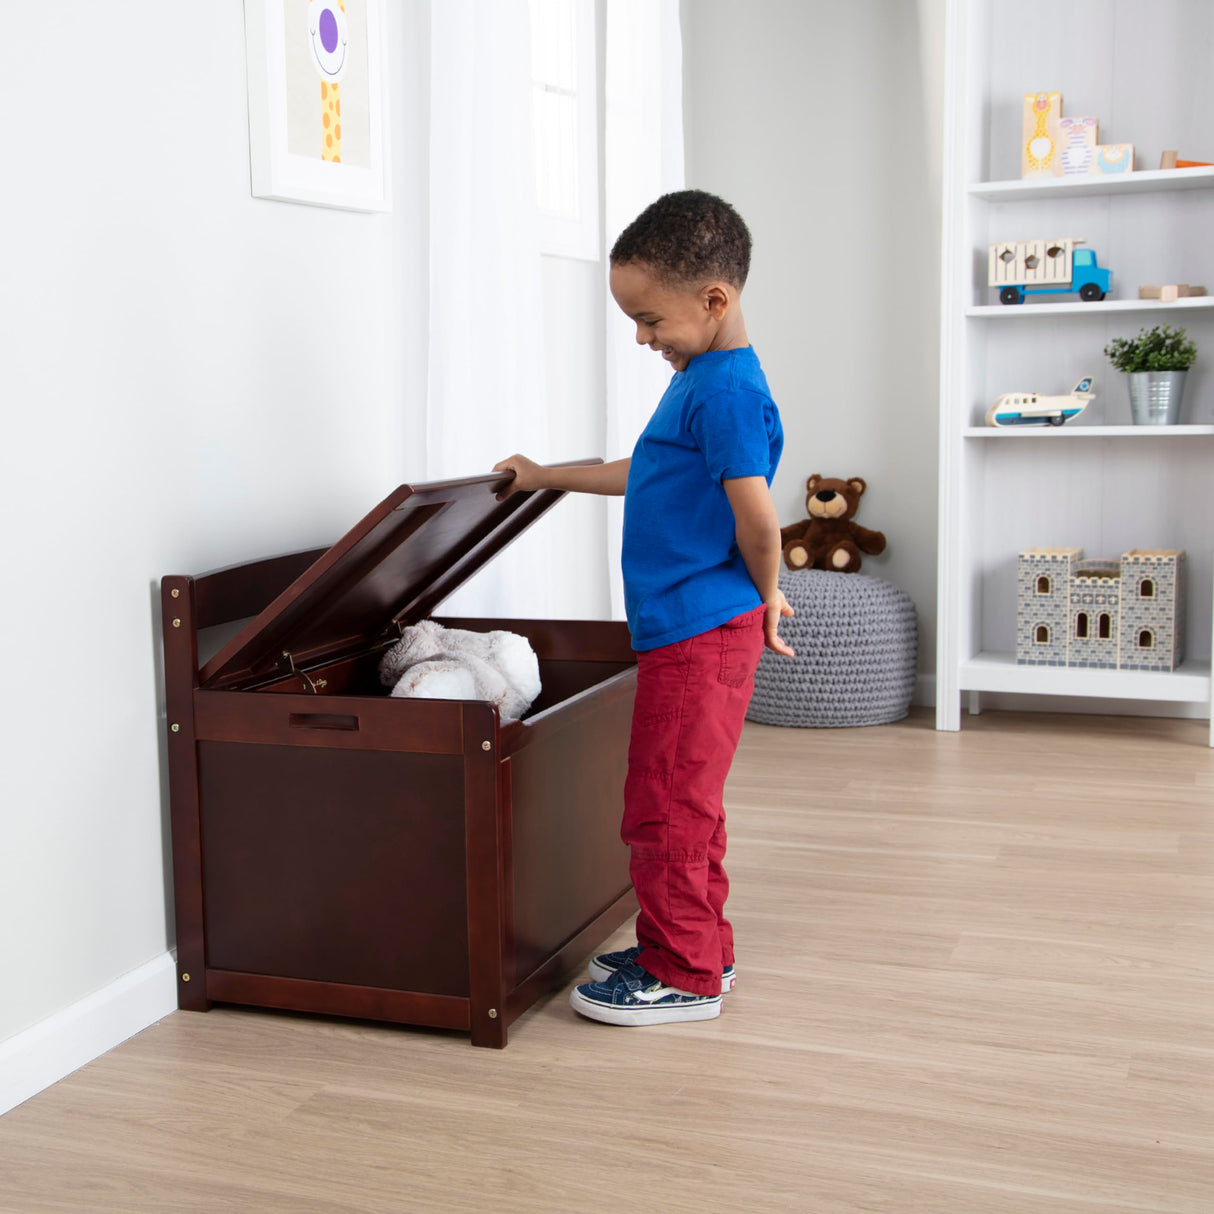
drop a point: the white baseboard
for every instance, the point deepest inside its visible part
(66, 1041)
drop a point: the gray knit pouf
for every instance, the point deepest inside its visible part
(857, 641)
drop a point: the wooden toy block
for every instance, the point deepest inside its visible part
(1171, 292)
(1171, 160)
(1112, 158)
(1079, 136)
(1042, 138)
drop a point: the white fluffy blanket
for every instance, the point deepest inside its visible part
(436, 663)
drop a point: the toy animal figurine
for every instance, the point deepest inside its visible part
(1041, 137)
(828, 539)
(1033, 409)
(1112, 158)
(1080, 148)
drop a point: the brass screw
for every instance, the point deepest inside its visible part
(486, 746)
(175, 593)
(175, 727)
(176, 623)
(185, 977)
(493, 1013)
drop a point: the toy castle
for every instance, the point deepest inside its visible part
(1125, 614)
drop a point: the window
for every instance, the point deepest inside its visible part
(1146, 639)
(1146, 588)
(1042, 635)
(1043, 585)
(1105, 627)
(1081, 626)
(564, 114)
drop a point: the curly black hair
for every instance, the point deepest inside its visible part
(688, 237)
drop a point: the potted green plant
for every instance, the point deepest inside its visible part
(1155, 364)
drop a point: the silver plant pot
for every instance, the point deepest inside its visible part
(1155, 397)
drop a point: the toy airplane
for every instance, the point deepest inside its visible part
(1033, 409)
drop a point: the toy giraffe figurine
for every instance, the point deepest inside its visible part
(329, 38)
(1039, 145)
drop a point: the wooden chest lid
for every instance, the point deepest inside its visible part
(417, 546)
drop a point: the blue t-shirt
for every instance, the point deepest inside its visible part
(683, 573)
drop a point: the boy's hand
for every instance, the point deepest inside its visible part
(609, 479)
(528, 475)
(776, 608)
(758, 533)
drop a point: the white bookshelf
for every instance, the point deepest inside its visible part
(1074, 430)
(1000, 672)
(1027, 311)
(1098, 482)
(1141, 182)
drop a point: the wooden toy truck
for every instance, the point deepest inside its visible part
(1046, 267)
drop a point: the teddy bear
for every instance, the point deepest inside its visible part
(437, 663)
(828, 539)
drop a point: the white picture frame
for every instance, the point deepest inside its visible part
(292, 49)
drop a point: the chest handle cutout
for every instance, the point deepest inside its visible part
(322, 720)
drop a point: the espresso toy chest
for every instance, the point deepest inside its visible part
(339, 851)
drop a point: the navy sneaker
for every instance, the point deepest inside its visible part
(632, 995)
(605, 964)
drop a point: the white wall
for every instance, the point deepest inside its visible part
(820, 121)
(190, 377)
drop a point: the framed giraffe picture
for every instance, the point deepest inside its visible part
(318, 102)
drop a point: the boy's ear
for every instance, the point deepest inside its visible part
(716, 299)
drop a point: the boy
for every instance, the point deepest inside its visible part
(701, 558)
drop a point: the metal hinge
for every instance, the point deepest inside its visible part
(287, 663)
(390, 635)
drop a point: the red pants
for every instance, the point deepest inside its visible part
(690, 704)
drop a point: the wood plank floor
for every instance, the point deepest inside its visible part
(976, 976)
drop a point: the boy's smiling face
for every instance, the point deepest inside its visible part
(678, 321)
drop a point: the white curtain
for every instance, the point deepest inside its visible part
(487, 361)
(644, 159)
(486, 396)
